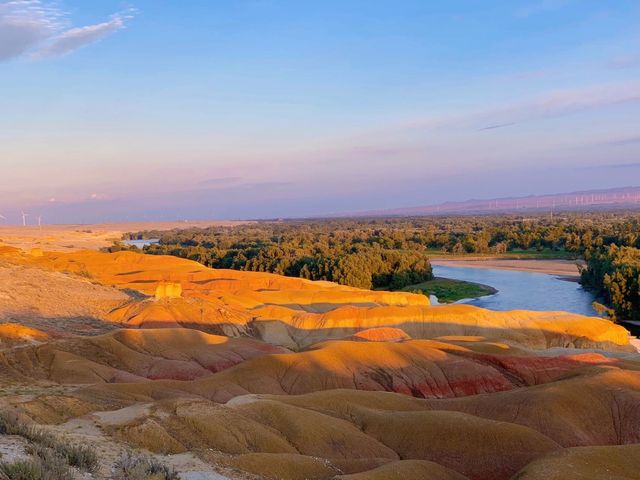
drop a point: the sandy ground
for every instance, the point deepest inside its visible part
(80, 237)
(89, 429)
(12, 448)
(564, 268)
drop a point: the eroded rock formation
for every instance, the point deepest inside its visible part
(283, 378)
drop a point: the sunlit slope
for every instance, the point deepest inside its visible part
(297, 313)
(53, 301)
(13, 334)
(144, 272)
(528, 328)
(129, 356)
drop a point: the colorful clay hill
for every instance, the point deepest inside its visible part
(225, 374)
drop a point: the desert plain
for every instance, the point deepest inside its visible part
(224, 374)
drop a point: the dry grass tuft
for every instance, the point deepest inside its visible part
(51, 456)
(131, 466)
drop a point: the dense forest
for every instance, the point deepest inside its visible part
(344, 253)
(614, 274)
(394, 252)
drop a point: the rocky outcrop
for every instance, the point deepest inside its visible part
(168, 290)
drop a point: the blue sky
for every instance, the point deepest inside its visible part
(149, 110)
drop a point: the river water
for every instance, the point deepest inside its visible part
(141, 243)
(516, 290)
(522, 290)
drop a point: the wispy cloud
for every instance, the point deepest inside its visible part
(558, 103)
(41, 30)
(25, 24)
(550, 104)
(76, 38)
(498, 125)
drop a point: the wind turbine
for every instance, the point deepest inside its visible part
(24, 219)
(2, 217)
(40, 222)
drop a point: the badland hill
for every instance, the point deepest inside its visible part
(228, 374)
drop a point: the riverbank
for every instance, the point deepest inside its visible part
(563, 268)
(448, 290)
(522, 290)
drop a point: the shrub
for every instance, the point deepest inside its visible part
(52, 454)
(44, 465)
(53, 465)
(83, 457)
(142, 467)
(10, 424)
(30, 469)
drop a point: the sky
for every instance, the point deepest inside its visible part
(222, 109)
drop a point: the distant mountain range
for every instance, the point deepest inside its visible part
(583, 200)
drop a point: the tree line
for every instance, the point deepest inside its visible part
(613, 273)
(394, 252)
(343, 253)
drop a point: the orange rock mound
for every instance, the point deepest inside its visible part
(12, 334)
(383, 334)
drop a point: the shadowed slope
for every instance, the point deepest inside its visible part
(476, 447)
(599, 407)
(473, 446)
(586, 463)
(407, 470)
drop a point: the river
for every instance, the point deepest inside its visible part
(141, 243)
(522, 290)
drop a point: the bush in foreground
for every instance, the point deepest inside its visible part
(142, 467)
(28, 469)
(51, 456)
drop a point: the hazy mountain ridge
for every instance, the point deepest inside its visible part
(580, 200)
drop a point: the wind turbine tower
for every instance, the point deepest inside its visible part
(24, 219)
